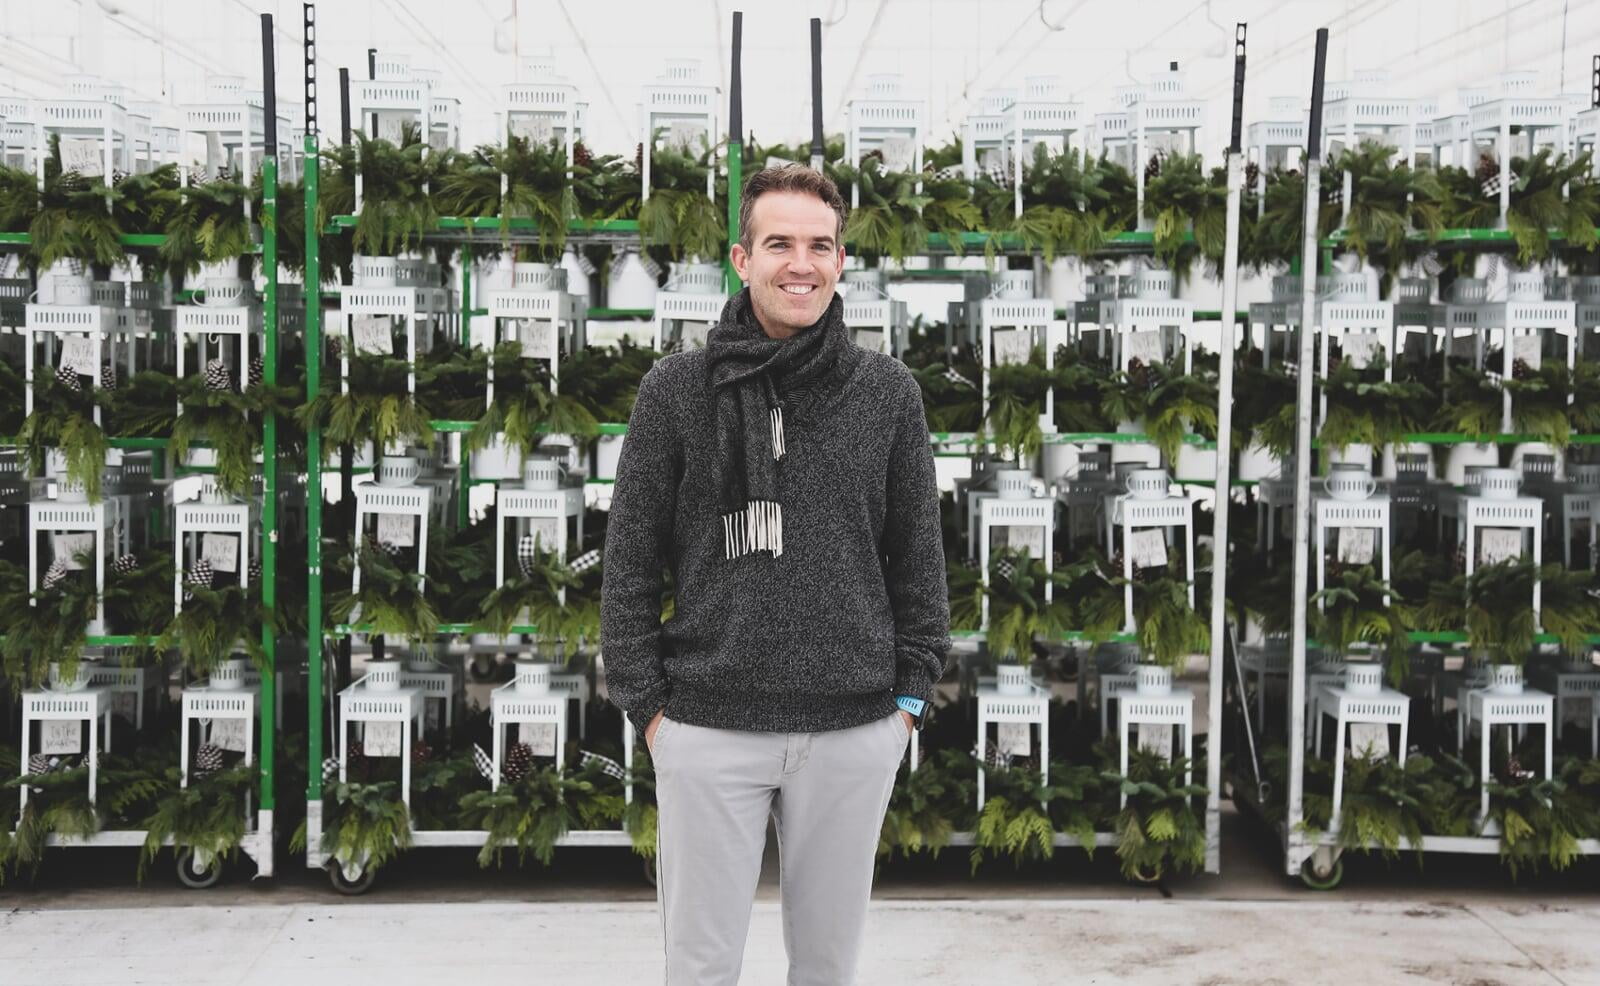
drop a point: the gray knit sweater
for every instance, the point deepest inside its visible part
(826, 634)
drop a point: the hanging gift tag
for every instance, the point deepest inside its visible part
(1144, 346)
(77, 355)
(1156, 738)
(1012, 346)
(545, 531)
(398, 530)
(373, 334)
(1148, 548)
(870, 340)
(381, 739)
(82, 155)
(538, 338)
(1015, 739)
(70, 548)
(1027, 538)
(1463, 347)
(899, 153)
(221, 550)
(391, 127)
(1499, 544)
(687, 135)
(694, 335)
(1356, 545)
(228, 734)
(1526, 349)
(534, 129)
(540, 737)
(57, 736)
(1359, 348)
(1369, 740)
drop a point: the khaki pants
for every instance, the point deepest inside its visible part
(827, 793)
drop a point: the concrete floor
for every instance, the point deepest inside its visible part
(591, 919)
(1135, 942)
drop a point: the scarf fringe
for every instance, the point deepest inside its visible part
(778, 447)
(758, 527)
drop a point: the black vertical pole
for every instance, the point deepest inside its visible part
(269, 86)
(372, 73)
(1235, 138)
(344, 106)
(818, 148)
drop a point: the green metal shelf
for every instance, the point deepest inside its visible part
(345, 629)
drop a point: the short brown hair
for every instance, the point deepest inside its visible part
(789, 178)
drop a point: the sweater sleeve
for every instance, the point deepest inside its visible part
(637, 546)
(913, 547)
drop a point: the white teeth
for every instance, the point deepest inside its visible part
(798, 288)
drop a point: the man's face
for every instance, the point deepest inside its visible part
(793, 262)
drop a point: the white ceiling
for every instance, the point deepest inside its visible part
(949, 50)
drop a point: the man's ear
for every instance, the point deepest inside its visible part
(741, 261)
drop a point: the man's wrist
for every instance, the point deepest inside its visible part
(914, 707)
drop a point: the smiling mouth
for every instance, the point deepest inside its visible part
(799, 290)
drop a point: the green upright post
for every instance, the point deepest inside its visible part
(735, 190)
(269, 465)
(313, 334)
(464, 472)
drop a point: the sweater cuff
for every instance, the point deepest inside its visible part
(911, 679)
(641, 714)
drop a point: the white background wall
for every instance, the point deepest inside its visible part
(950, 50)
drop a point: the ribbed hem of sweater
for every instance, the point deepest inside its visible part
(755, 712)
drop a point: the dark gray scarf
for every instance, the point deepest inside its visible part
(747, 371)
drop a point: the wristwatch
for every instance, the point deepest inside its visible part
(914, 707)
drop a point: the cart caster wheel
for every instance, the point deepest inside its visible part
(197, 878)
(650, 871)
(1147, 874)
(1327, 880)
(348, 886)
(481, 668)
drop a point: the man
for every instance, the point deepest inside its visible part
(785, 476)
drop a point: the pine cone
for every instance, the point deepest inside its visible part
(257, 371)
(1152, 168)
(201, 575)
(108, 375)
(580, 155)
(207, 759)
(117, 175)
(217, 375)
(1138, 373)
(518, 762)
(125, 565)
(1520, 370)
(1488, 168)
(40, 763)
(1252, 174)
(638, 157)
(69, 379)
(54, 574)
(254, 569)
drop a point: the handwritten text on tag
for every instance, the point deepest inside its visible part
(1015, 738)
(397, 529)
(1499, 544)
(372, 334)
(221, 550)
(77, 355)
(381, 739)
(1148, 548)
(1012, 346)
(1144, 346)
(1356, 545)
(58, 736)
